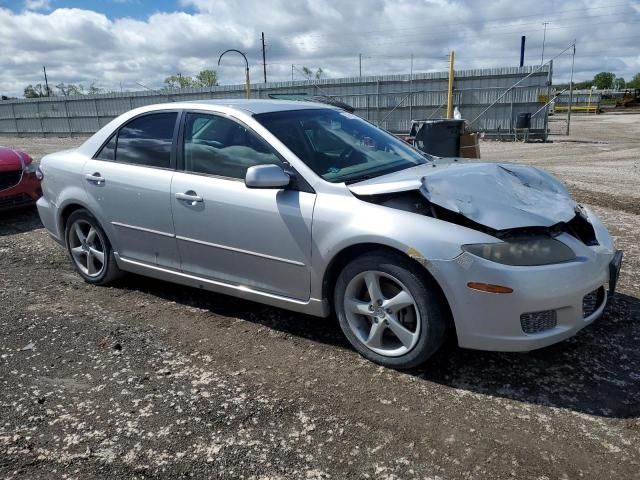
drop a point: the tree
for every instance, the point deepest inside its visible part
(604, 80)
(93, 90)
(70, 89)
(634, 82)
(310, 74)
(207, 78)
(619, 83)
(583, 85)
(79, 89)
(37, 91)
(179, 81)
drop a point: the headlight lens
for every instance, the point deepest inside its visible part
(523, 252)
(31, 168)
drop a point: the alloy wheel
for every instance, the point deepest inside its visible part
(87, 248)
(382, 313)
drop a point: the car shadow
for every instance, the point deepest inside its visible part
(19, 221)
(595, 372)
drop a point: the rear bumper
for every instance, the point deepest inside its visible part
(47, 212)
(25, 193)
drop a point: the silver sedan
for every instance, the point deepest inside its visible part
(312, 209)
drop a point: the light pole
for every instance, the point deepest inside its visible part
(247, 82)
(544, 37)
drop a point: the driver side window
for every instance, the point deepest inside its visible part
(216, 145)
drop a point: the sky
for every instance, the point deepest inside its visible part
(120, 44)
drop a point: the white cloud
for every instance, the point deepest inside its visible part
(37, 4)
(83, 46)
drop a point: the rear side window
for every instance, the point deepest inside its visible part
(145, 141)
(108, 152)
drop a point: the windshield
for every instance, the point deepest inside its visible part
(339, 146)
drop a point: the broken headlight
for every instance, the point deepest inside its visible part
(523, 252)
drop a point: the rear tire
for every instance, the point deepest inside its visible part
(390, 309)
(89, 249)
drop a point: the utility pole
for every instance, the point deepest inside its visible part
(573, 57)
(411, 89)
(292, 72)
(544, 38)
(264, 61)
(360, 63)
(46, 81)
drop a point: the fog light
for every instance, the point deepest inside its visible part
(592, 301)
(535, 322)
(488, 287)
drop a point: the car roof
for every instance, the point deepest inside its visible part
(263, 105)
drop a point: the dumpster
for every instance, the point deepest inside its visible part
(440, 137)
(523, 120)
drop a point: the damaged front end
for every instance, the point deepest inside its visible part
(524, 207)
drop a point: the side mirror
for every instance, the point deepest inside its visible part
(266, 176)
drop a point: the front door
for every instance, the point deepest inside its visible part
(129, 186)
(255, 238)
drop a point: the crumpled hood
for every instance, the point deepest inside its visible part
(500, 196)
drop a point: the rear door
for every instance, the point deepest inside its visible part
(129, 183)
(255, 238)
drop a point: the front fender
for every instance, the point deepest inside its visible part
(342, 221)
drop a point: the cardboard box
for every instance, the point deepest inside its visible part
(470, 145)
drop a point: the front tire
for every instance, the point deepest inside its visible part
(390, 310)
(89, 249)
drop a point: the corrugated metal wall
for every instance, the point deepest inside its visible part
(579, 98)
(390, 101)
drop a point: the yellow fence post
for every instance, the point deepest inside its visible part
(248, 84)
(450, 90)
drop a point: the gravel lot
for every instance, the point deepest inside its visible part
(151, 380)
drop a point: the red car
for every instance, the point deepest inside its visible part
(19, 185)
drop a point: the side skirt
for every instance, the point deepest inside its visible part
(313, 306)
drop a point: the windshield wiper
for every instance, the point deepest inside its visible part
(360, 178)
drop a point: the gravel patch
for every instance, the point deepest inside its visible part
(146, 379)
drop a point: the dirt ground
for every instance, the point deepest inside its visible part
(147, 379)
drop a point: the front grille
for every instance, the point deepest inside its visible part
(535, 322)
(592, 301)
(9, 179)
(15, 201)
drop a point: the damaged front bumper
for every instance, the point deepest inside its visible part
(549, 303)
(557, 295)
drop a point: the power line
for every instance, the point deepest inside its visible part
(512, 30)
(457, 24)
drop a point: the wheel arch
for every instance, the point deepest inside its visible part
(65, 213)
(344, 256)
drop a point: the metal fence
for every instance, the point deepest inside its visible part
(578, 98)
(389, 101)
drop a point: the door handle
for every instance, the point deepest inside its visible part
(190, 197)
(95, 178)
